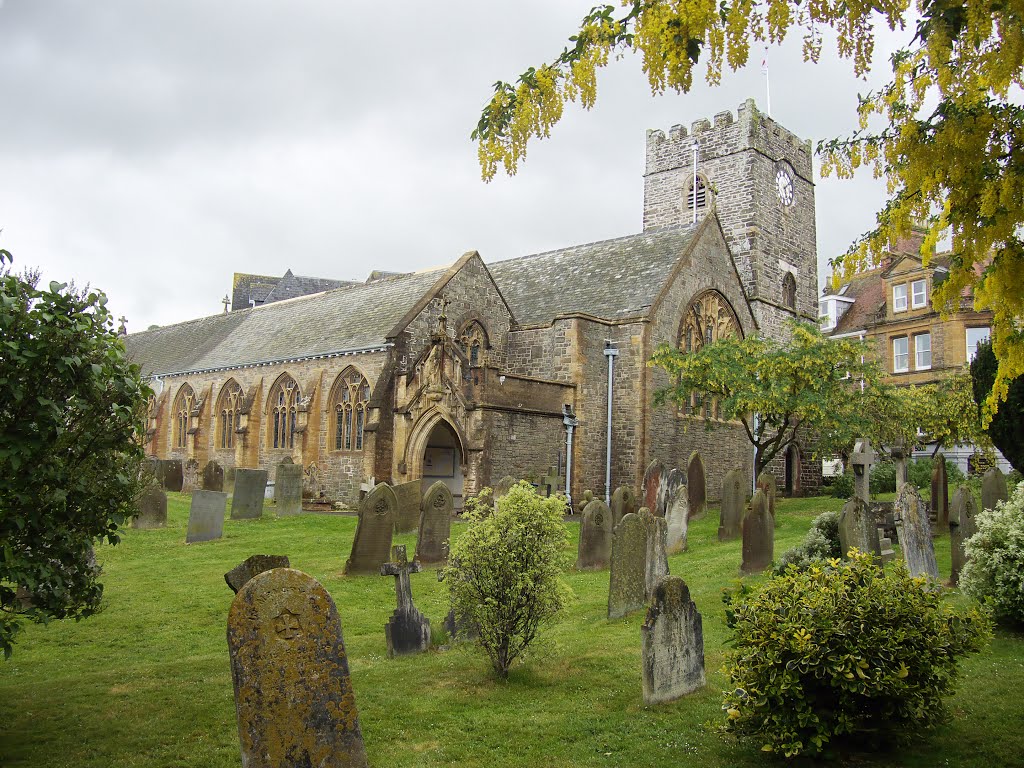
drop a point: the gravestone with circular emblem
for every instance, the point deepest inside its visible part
(372, 543)
(435, 524)
(595, 546)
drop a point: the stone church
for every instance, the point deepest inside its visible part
(534, 367)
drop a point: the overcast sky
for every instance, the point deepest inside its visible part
(152, 149)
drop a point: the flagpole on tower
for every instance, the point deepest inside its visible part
(767, 83)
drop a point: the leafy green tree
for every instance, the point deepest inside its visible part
(504, 572)
(1006, 429)
(994, 571)
(950, 135)
(71, 410)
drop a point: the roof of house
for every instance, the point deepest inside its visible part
(868, 293)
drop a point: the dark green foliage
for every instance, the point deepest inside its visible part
(845, 650)
(71, 410)
(842, 486)
(820, 545)
(883, 478)
(1007, 426)
(919, 472)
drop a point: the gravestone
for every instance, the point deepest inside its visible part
(993, 488)
(696, 486)
(372, 543)
(962, 516)
(206, 516)
(190, 478)
(152, 508)
(312, 484)
(409, 496)
(408, 630)
(656, 565)
(734, 497)
(549, 484)
(940, 493)
(628, 567)
(766, 482)
(672, 482)
(672, 640)
(623, 503)
(171, 473)
(677, 521)
(435, 524)
(252, 566)
(293, 695)
(899, 459)
(504, 486)
(250, 491)
(229, 481)
(213, 477)
(758, 536)
(858, 528)
(915, 533)
(459, 631)
(595, 547)
(652, 485)
(888, 553)
(863, 459)
(288, 488)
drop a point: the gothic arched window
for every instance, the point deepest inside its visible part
(698, 197)
(789, 291)
(349, 402)
(473, 341)
(183, 404)
(229, 406)
(708, 318)
(283, 407)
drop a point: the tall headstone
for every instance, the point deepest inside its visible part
(190, 478)
(435, 524)
(213, 476)
(372, 543)
(671, 483)
(915, 534)
(595, 548)
(171, 472)
(734, 497)
(672, 639)
(696, 486)
(288, 488)
(623, 503)
(940, 493)
(656, 567)
(152, 508)
(206, 516)
(766, 483)
(409, 496)
(758, 536)
(862, 460)
(652, 484)
(628, 567)
(252, 566)
(677, 519)
(899, 459)
(993, 488)
(293, 694)
(250, 491)
(962, 525)
(858, 528)
(408, 630)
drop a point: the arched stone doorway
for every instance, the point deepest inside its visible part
(792, 470)
(442, 460)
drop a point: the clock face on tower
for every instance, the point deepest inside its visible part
(784, 186)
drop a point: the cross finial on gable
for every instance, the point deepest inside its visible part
(226, 302)
(122, 330)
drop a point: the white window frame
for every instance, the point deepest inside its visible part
(972, 351)
(914, 303)
(896, 298)
(917, 351)
(896, 356)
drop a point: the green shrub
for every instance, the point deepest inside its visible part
(883, 478)
(919, 472)
(842, 486)
(845, 650)
(995, 559)
(819, 545)
(504, 572)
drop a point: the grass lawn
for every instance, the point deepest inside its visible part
(147, 681)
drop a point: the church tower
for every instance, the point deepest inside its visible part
(759, 179)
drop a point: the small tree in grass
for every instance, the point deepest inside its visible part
(995, 559)
(504, 572)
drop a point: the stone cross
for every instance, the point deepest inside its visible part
(862, 460)
(226, 302)
(122, 329)
(408, 630)
(400, 568)
(899, 457)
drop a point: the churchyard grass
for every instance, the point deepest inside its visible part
(147, 681)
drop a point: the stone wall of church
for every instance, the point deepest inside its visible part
(521, 445)
(543, 352)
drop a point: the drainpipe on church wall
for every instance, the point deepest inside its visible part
(570, 421)
(611, 353)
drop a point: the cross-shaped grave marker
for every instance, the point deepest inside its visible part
(408, 630)
(862, 460)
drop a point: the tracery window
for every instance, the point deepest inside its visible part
(473, 341)
(284, 412)
(183, 403)
(350, 400)
(708, 318)
(789, 291)
(700, 198)
(229, 406)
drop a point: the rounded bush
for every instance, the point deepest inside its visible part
(819, 545)
(842, 650)
(995, 559)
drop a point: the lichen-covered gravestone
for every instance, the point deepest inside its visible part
(435, 524)
(595, 545)
(993, 488)
(623, 503)
(940, 493)
(152, 508)
(206, 516)
(372, 543)
(288, 488)
(677, 518)
(293, 694)
(670, 485)
(628, 567)
(656, 567)
(758, 536)
(962, 526)
(213, 477)
(252, 566)
(250, 491)
(734, 496)
(652, 484)
(409, 496)
(914, 533)
(766, 482)
(858, 528)
(672, 640)
(191, 477)
(697, 486)
(408, 630)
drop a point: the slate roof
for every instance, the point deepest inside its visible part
(868, 292)
(355, 316)
(264, 289)
(610, 279)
